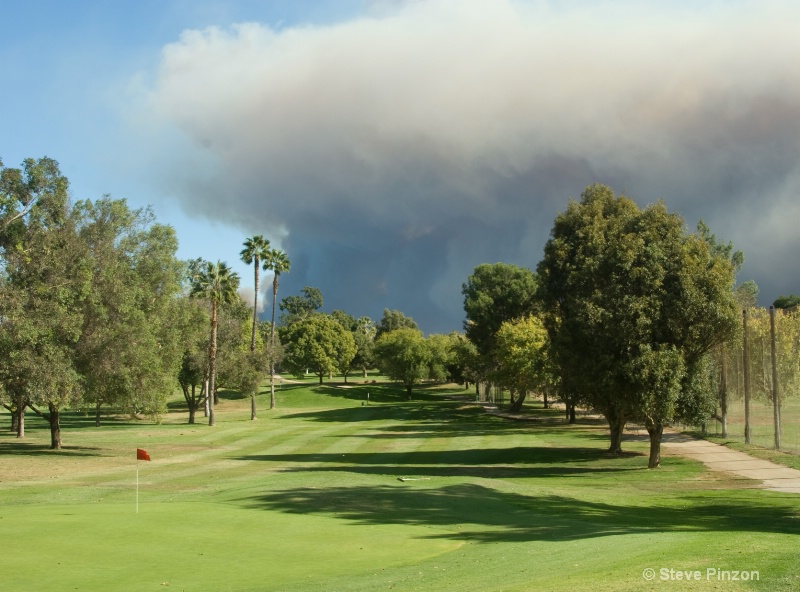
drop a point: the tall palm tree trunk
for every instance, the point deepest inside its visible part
(255, 310)
(212, 365)
(272, 345)
(253, 338)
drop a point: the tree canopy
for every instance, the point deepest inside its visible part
(633, 303)
(319, 343)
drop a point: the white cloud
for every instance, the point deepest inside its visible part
(446, 122)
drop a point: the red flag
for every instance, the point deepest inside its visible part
(142, 454)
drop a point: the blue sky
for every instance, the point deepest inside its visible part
(390, 146)
(67, 66)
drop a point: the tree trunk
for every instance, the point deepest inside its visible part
(252, 407)
(723, 393)
(255, 314)
(655, 431)
(55, 428)
(616, 423)
(516, 406)
(272, 344)
(18, 418)
(97, 414)
(192, 408)
(14, 425)
(571, 412)
(546, 404)
(272, 384)
(212, 366)
(408, 391)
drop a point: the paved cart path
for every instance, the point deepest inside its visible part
(716, 457)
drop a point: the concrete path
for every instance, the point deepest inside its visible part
(716, 457)
(721, 458)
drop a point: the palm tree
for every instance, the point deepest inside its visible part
(279, 263)
(217, 283)
(255, 250)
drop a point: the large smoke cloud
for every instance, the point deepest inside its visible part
(394, 152)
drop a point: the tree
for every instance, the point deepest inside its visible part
(393, 320)
(317, 342)
(521, 351)
(493, 294)
(216, 283)
(464, 361)
(128, 351)
(786, 301)
(256, 249)
(404, 355)
(633, 305)
(299, 307)
(277, 261)
(364, 335)
(45, 275)
(746, 294)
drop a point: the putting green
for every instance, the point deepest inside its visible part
(190, 546)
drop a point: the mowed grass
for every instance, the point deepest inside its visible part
(308, 497)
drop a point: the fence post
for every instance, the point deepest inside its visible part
(746, 364)
(776, 403)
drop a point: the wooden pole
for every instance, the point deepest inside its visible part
(776, 402)
(746, 365)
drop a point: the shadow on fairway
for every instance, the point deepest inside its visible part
(480, 514)
(502, 463)
(32, 449)
(445, 419)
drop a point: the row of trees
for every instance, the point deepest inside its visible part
(623, 315)
(626, 313)
(96, 309)
(88, 305)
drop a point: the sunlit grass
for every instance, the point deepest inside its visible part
(309, 497)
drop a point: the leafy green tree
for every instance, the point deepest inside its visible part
(278, 262)
(521, 351)
(128, 352)
(404, 355)
(256, 249)
(786, 301)
(216, 283)
(464, 361)
(299, 307)
(364, 335)
(441, 356)
(633, 306)
(493, 294)
(317, 342)
(746, 294)
(393, 320)
(45, 276)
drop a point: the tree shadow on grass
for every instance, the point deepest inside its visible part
(443, 419)
(481, 514)
(37, 449)
(496, 463)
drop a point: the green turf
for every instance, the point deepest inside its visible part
(308, 498)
